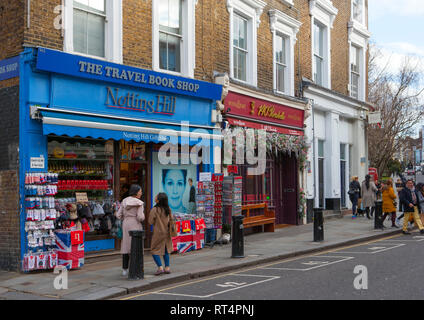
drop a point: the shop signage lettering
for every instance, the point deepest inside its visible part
(266, 114)
(93, 69)
(162, 104)
(37, 162)
(128, 75)
(144, 136)
(269, 112)
(9, 68)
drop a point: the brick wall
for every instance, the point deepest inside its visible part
(42, 31)
(340, 48)
(12, 27)
(9, 182)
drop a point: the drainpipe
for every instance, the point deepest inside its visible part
(29, 14)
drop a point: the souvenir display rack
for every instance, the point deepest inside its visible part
(205, 200)
(232, 197)
(40, 218)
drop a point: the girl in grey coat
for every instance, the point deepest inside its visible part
(368, 195)
(131, 213)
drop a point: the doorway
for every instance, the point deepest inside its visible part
(134, 169)
(286, 190)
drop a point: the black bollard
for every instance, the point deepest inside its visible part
(136, 268)
(237, 237)
(378, 214)
(318, 225)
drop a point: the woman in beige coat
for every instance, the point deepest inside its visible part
(368, 195)
(161, 218)
(132, 214)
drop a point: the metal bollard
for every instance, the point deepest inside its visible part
(318, 225)
(378, 223)
(237, 237)
(136, 267)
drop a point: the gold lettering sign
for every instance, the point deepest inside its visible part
(269, 112)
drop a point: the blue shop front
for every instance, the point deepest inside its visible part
(89, 129)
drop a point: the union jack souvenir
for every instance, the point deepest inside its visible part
(185, 243)
(69, 256)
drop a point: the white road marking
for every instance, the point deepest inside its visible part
(269, 278)
(317, 264)
(374, 249)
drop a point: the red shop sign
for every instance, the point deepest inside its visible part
(264, 114)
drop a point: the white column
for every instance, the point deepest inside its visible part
(359, 150)
(332, 156)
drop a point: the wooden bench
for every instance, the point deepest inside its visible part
(267, 219)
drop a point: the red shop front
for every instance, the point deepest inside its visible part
(279, 185)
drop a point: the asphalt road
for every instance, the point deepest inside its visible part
(387, 269)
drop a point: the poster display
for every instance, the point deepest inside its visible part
(173, 180)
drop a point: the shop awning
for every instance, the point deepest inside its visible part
(82, 124)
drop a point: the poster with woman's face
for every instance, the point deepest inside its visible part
(173, 180)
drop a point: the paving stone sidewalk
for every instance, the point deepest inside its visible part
(103, 280)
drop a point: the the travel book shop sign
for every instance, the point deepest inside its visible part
(78, 66)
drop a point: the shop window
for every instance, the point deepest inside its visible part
(258, 188)
(84, 167)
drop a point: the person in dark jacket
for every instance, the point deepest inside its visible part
(411, 206)
(192, 199)
(354, 195)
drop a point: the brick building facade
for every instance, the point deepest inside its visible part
(212, 41)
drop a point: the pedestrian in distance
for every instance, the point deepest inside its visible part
(411, 206)
(161, 219)
(368, 195)
(354, 195)
(131, 213)
(420, 193)
(389, 202)
(192, 198)
(399, 187)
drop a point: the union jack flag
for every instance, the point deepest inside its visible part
(199, 239)
(69, 256)
(185, 243)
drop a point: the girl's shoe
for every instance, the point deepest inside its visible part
(124, 272)
(159, 272)
(168, 271)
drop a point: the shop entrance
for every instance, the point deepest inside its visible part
(134, 169)
(286, 190)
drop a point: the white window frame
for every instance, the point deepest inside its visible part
(362, 4)
(250, 10)
(188, 41)
(361, 50)
(358, 72)
(287, 27)
(324, 13)
(113, 31)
